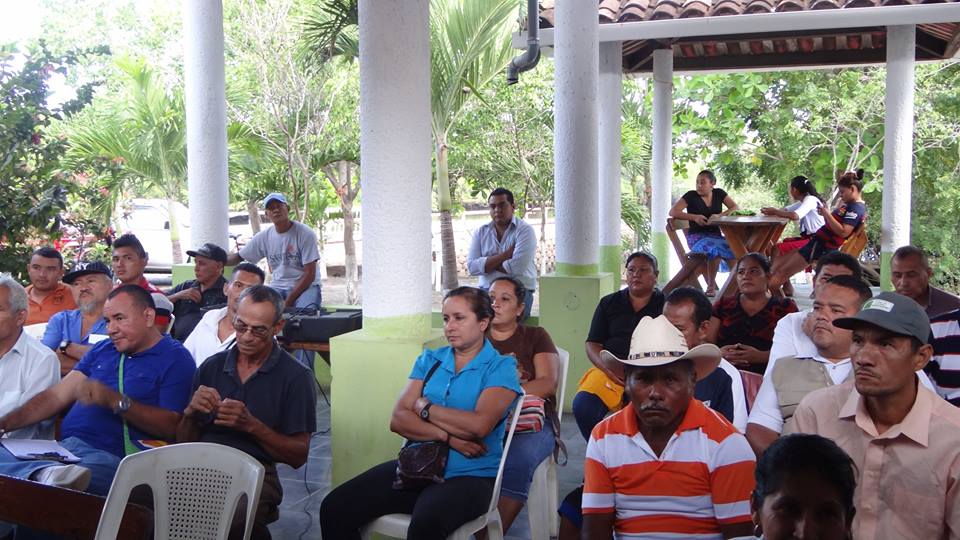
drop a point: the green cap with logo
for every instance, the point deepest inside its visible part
(892, 312)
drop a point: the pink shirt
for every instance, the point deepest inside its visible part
(909, 476)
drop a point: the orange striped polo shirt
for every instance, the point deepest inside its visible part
(703, 478)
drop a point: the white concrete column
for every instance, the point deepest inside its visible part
(575, 136)
(897, 144)
(395, 152)
(662, 156)
(610, 96)
(206, 108)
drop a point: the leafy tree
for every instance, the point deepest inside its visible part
(34, 185)
(469, 46)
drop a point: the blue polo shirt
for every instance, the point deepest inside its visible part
(461, 391)
(66, 325)
(160, 376)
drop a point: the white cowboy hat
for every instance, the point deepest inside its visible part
(656, 342)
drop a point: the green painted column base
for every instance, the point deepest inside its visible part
(369, 371)
(661, 250)
(567, 304)
(886, 280)
(611, 262)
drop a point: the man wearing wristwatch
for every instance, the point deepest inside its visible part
(71, 333)
(257, 398)
(123, 396)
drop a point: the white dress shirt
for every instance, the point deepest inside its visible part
(522, 265)
(27, 369)
(204, 341)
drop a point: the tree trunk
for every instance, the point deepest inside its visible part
(174, 231)
(254, 214)
(448, 245)
(349, 245)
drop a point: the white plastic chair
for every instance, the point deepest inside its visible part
(196, 489)
(543, 500)
(396, 525)
(35, 330)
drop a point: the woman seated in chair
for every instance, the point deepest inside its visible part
(838, 226)
(538, 364)
(742, 325)
(460, 395)
(806, 211)
(697, 207)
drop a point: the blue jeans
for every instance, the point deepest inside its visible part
(102, 464)
(588, 410)
(527, 451)
(527, 303)
(310, 298)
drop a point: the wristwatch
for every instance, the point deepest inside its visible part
(123, 405)
(63, 346)
(425, 411)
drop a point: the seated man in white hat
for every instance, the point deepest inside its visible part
(704, 467)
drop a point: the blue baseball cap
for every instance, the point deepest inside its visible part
(274, 197)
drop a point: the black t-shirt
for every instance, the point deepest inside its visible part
(188, 313)
(716, 391)
(614, 320)
(280, 394)
(696, 205)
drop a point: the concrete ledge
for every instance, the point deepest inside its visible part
(567, 304)
(369, 372)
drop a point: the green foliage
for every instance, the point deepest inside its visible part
(34, 185)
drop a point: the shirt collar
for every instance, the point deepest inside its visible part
(694, 418)
(915, 426)
(484, 357)
(20, 345)
(230, 362)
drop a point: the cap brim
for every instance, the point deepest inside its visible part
(871, 317)
(73, 276)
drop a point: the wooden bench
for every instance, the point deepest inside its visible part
(64, 512)
(694, 264)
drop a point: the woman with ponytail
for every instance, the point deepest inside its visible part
(806, 211)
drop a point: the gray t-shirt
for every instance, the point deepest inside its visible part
(286, 253)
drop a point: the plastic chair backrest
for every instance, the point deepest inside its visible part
(196, 490)
(751, 385)
(514, 417)
(35, 330)
(564, 357)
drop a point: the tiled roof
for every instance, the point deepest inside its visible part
(786, 49)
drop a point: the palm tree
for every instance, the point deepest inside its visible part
(469, 46)
(143, 132)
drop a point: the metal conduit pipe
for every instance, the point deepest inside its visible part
(529, 59)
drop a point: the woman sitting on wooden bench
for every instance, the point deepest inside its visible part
(697, 206)
(806, 211)
(838, 226)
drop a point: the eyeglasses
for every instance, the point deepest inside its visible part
(241, 328)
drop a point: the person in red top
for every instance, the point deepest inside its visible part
(665, 465)
(46, 294)
(838, 226)
(129, 262)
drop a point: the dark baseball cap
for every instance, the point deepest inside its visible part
(84, 268)
(210, 251)
(892, 312)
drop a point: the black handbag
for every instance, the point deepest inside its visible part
(421, 463)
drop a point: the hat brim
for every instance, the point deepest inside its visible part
(210, 256)
(873, 317)
(73, 276)
(706, 350)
